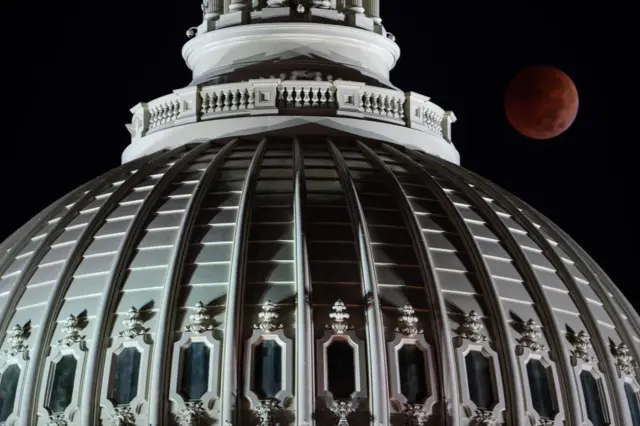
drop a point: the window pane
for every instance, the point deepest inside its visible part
(634, 405)
(267, 369)
(480, 379)
(341, 369)
(64, 375)
(413, 377)
(591, 390)
(540, 388)
(195, 371)
(8, 388)
(125, 381)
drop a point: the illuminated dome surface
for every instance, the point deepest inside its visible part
(480, 301)
(291, 242)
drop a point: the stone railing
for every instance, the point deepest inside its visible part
(290, 97)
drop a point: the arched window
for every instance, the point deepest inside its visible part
(634, 403)
(8, 389)
(591, 390)
(540, 379)
(480, 380)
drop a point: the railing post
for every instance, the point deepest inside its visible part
(348, 97)
(190, 105)
(448, 119)
(140, 120)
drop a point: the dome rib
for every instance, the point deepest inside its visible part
(305, 389)
(73, 259)
(600, 344)
(514, 406)
(15, 292)
(533, 285)
(551, 326)
(232, 343)
(39, 253)
(448, 387)
(162, 349)
(378, 372)
(91, 385)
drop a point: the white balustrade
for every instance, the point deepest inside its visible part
(291, 97)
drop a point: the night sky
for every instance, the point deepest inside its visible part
(72, 70)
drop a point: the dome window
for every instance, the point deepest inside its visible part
(413, 376)
(410, 359)
(540, 379)
(480, 380)
(592, 393)
(8, 388)
(482, 394)
(194, 381)
(63, 372)
(341, 369)
(195, 366)
(124, 387)
(269, 353)
(64, 375)
(340, 356)
(634, 403)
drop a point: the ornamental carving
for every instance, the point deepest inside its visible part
(56, 420)
(266, 412)
(531, 336)
(417, 415)
(546, 422)
(71, 330)
(581, 345)
(339, 316)
(133, 324)
(200, 320)
(17, 339)
(483, 418)
(267, 318)
(471, 328)
(407, 323)
(192, 413)
(342, 410)
(624, 360)
(122, 416)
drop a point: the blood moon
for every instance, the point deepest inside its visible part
(541, 102)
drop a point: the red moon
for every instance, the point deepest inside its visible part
(541, 102)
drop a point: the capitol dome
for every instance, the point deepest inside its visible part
(304, 250)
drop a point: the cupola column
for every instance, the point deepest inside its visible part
(211, 9)
(354, 6)
(235, 5)
(373, 10)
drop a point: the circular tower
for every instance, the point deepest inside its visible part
(291, 241)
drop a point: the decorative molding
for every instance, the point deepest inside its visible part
(267, 318)
(266, 410)
(581, 344)
(338, 317)
(531, 336)
(72, 330)
(200, 320)
(483, 418)
(624, 360)
(407, 322)
(192, 413)
(57, 420)
(134, 325)
(342, 410)
(122, 416)
(471, 328)
(17, 338)
(417, 415)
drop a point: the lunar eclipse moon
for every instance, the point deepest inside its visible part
(541, 102)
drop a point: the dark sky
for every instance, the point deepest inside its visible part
(73, 70)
